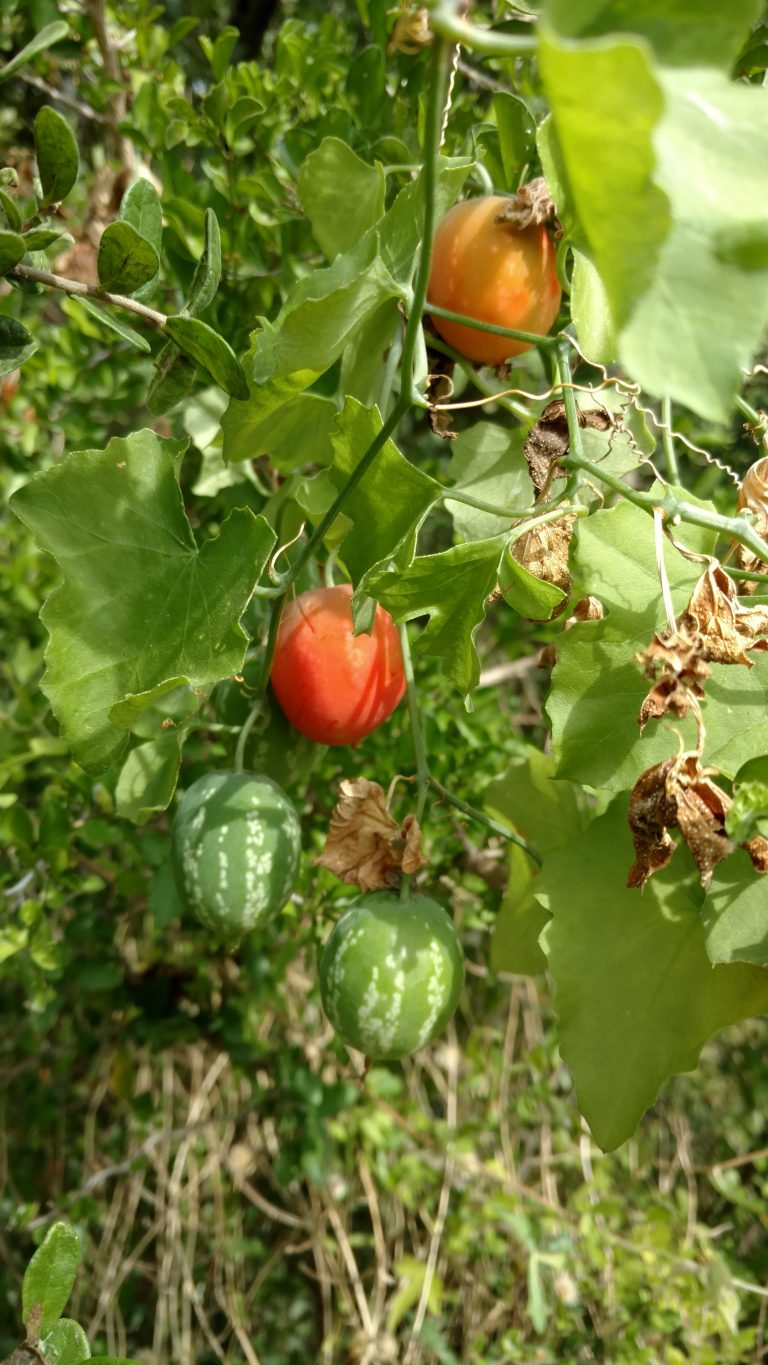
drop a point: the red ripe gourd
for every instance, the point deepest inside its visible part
(335, 686)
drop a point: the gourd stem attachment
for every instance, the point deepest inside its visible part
(417, 735)
(261, 685)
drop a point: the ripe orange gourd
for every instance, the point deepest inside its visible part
(494, 272)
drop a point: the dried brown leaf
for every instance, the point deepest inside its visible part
(365, 846)
(548, 440)
(676, 661)
(544, 552)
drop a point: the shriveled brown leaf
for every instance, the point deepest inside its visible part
(531, 206)
(727, 628)
(650, 814)
(548, 440)
(365, 845)
(544, 552)
(440, 390)
(679, 793)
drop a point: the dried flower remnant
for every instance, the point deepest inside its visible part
(680, 794)
(531, 206)
(714, 628)
(727, 628)
(365, 845)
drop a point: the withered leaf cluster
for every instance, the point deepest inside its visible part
(680, 794)
(365, 845)
(714, 628)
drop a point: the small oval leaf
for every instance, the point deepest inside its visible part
(52, 33)
(12, 248)
(10, 210)
(126, 260)
(50, 1277)
(211, 351)
(174, 377)
(140, 206)
(58, 161)
(37, 239)
(65, 1344)
(16, 345)
(114, 324)
(208, 272)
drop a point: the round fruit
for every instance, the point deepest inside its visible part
(391, 973)
(235, 843)
(334, 686)
(493, 272)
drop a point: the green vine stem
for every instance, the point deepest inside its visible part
(668, 441)
(675, 509)
(417, 735)
(440, 67)
(261, 685)
(755, 418)
(445, 20)
(563, 365)
(481, 819)
(533, 338)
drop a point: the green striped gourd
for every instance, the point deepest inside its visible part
(236, 840)
(391, 973)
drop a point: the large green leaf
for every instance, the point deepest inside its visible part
(487, 463)
(389, 503)
(681, 32)
(597, 687)
(735, 913)
(680, 250)
(148, 778)
(58, 161)
(141, 608)
(451, 589)
(548, 813)
(295, 434)
(342, 196)
(50, 1277)
(635, 994)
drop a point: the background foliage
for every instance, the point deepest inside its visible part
(240, 1192)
